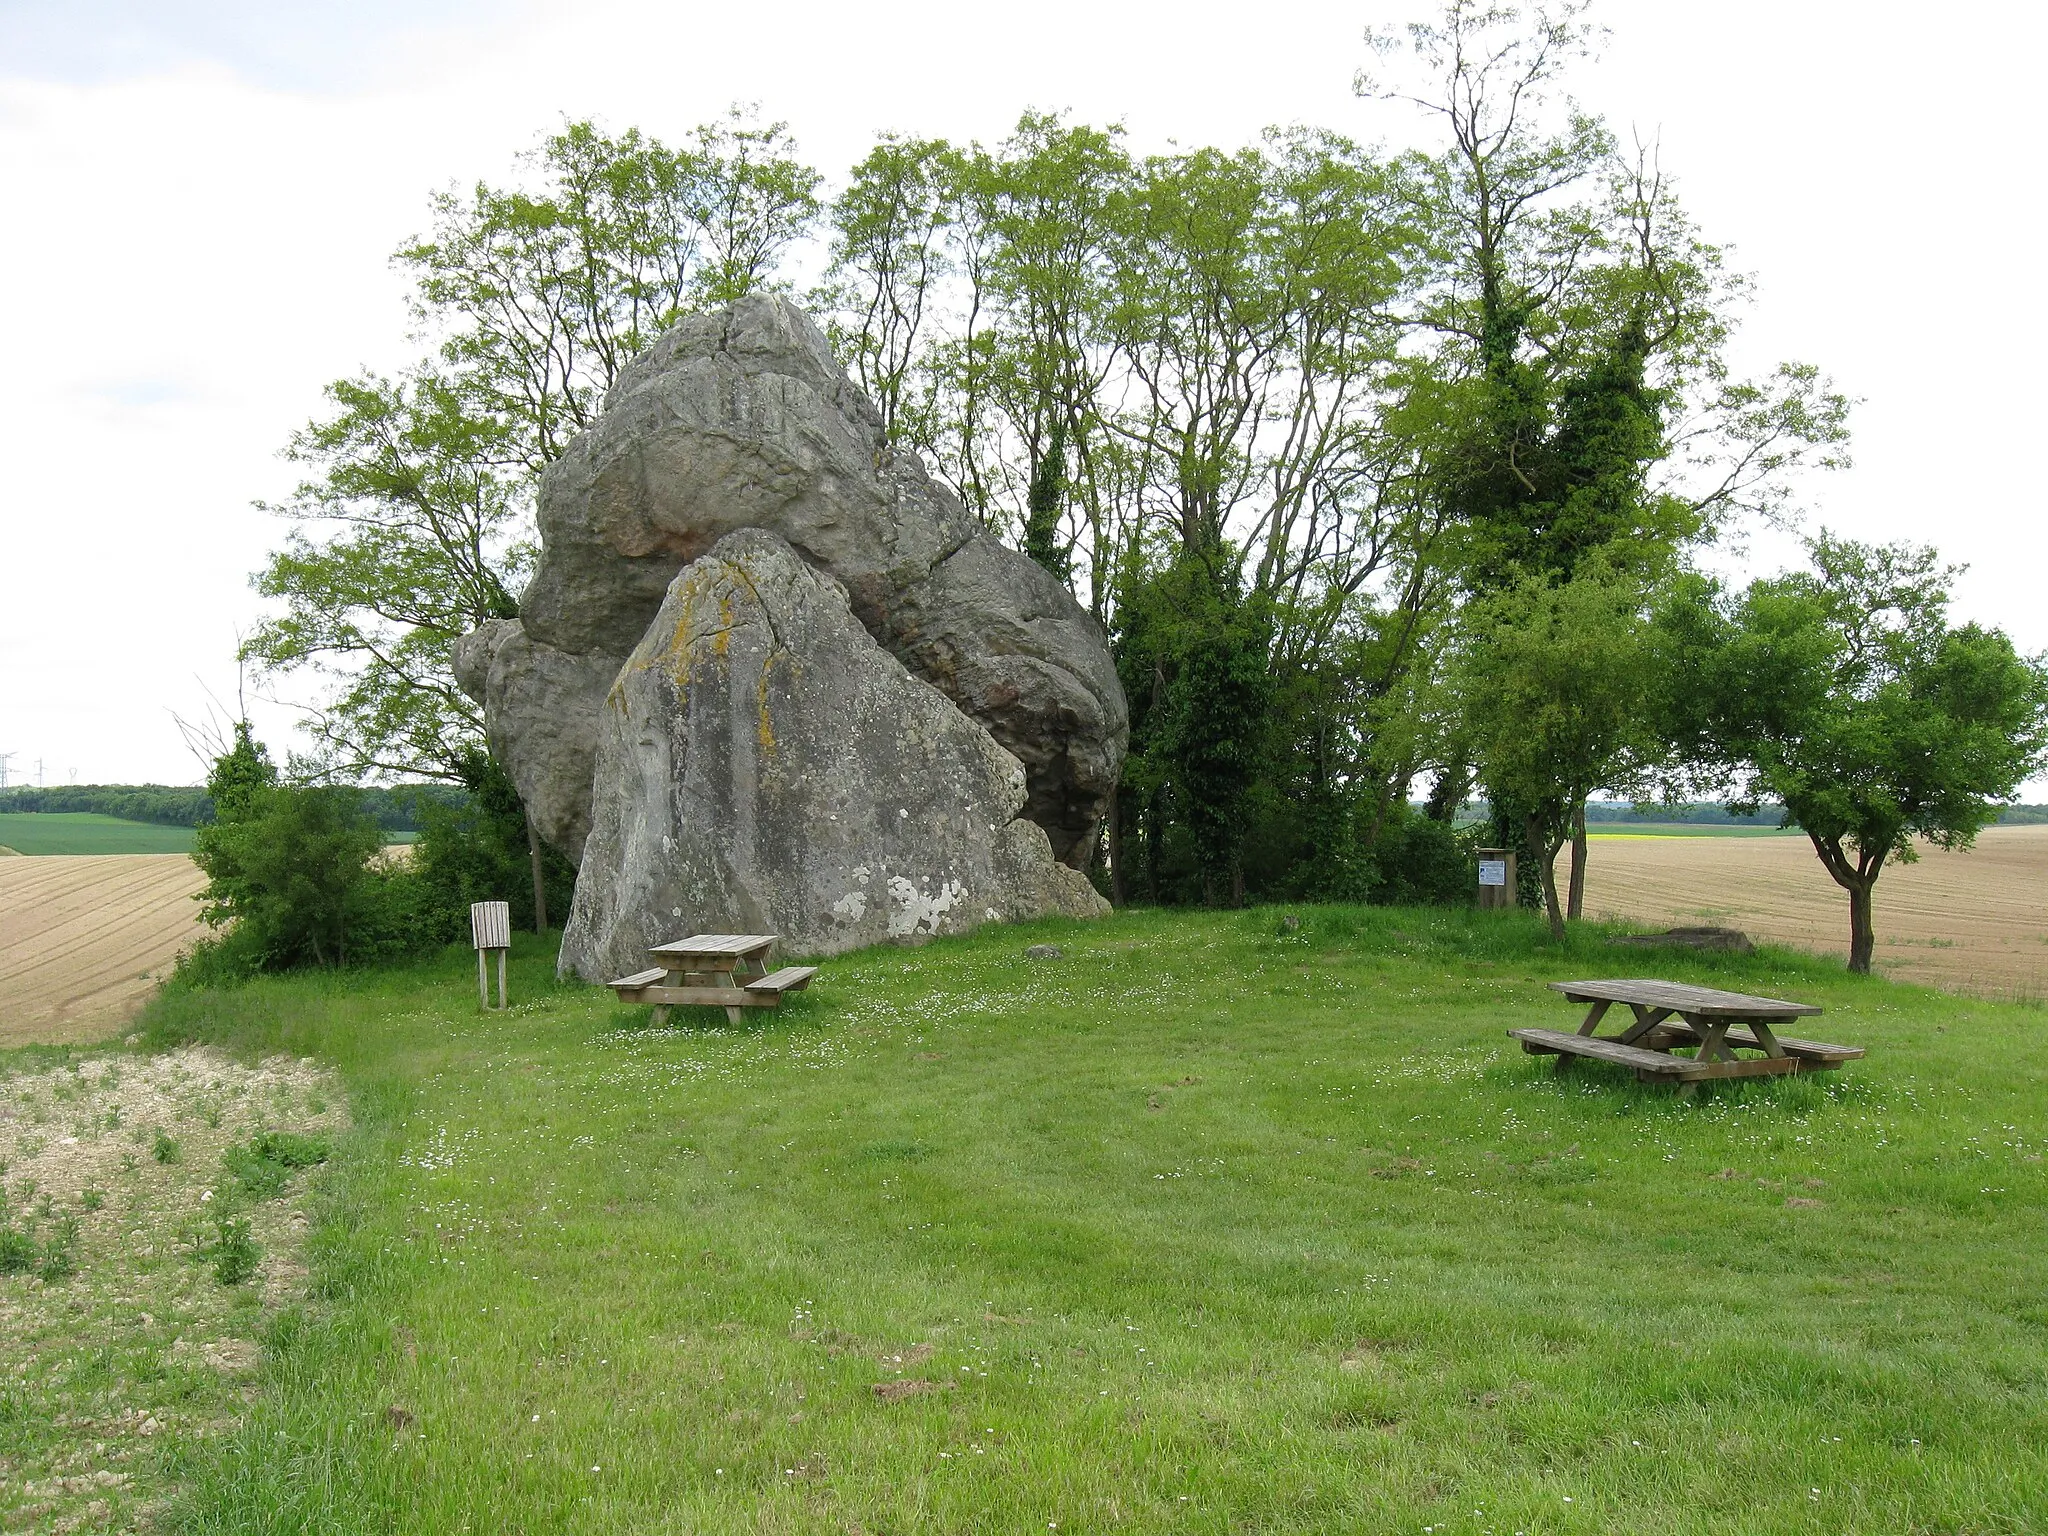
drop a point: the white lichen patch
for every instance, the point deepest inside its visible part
(914, 911)
(118, 1336)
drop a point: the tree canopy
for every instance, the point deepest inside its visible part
(1371, 464)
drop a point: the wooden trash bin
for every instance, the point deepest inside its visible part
(490, 927)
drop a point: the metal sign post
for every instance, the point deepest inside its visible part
(490, 925)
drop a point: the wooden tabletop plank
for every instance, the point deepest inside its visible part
(1706, 1002)
(706, 945)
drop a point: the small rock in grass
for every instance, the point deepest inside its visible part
(1044, 952)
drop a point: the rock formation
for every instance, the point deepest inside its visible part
(742, 419)
(764, 765)
(541, 709)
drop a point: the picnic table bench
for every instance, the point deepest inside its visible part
(1669, 1015)
(718, 970)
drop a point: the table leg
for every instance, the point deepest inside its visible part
(1713, 1040)
(1594, 1015)
(1647, 1019)
(1765, 1038)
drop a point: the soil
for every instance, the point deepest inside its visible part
(85, 938)
(1973, 922)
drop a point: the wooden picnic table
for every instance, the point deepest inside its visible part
(718, 970)
(1669, 1015)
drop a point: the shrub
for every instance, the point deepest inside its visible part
(233, 1251)
(261, 1168)
(476, 849)
(17, 1250)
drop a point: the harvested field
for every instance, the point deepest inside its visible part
(1971, 922)
(84, 939)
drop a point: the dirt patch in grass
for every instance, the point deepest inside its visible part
(149, 1229)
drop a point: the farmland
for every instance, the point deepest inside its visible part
(1975, 922)
(81, 832)
(83, 939)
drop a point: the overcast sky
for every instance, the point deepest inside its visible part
(202, 196)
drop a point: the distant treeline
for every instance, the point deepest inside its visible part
(1763, 816)
(395, 808)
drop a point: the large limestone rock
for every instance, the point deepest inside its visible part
(541, 709)
(766, 767)
(742, 419)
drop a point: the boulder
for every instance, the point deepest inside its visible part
(541, 709)
(742, 419)
(765, 766)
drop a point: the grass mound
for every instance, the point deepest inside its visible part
(1216, 1223)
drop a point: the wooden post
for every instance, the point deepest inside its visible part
(1496, 877)
(490, 926)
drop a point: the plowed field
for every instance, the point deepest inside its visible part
(83, 939)
(1972, 922)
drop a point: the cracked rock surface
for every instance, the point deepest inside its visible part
(765, 766)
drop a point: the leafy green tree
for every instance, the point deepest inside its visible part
(1845, 695)
(425, 539)
(478, 849)
(287, 866)
(752, 199)
(889, 259)
(1551, 684)
(1577, 402)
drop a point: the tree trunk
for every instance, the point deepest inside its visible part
(1117, 897)
(1576, 905)
(1452, 785)
(1859, 880)
(540, 885)
(1544, 852)
(1862, 927)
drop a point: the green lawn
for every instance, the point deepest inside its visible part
(1209, 1226)
(87, 832)
(41, 832)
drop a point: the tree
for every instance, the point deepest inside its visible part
(426, 539)
(1551, 687)
(752, 199)
(287, 866)
(1846, 695)
(888, 259)
(1577, 404)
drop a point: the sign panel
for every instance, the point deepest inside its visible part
(1493, 871)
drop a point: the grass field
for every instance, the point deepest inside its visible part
(87, 832)
(1974, 921)
(1613, 829)
(83, 939)
(1208, 1226)
(62, 832)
